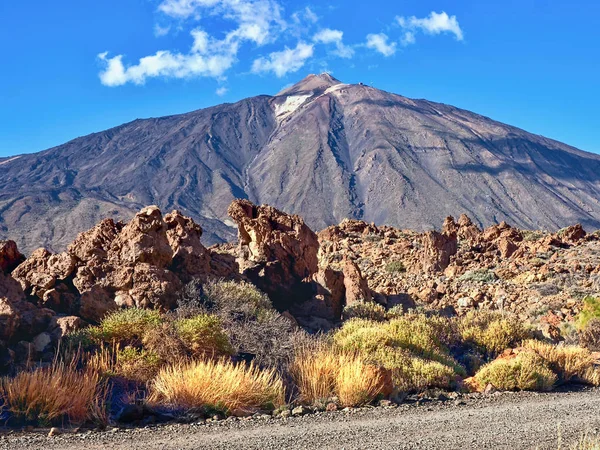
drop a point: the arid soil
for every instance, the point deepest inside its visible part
(501, 420)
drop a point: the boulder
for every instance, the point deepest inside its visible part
(10, 257)
(437, 250)
(356, 287)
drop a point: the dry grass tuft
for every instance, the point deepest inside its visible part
(567, 361)
(217, 384)
(53, 394)
(323, 372)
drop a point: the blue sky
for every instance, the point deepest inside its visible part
(72, 67)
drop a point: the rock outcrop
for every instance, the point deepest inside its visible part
(142, 263)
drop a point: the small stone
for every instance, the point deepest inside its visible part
(385, 403)
(299, 411)
(53, 432)
(286, 413)
(331, 407)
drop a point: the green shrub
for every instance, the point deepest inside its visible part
(395, 267)
(137, 365)
(126, 325)
(491, 331)
(414, 347)
(203, 335)
(479, 275)
(589, 336)
(413, 373)
(369, 311)
(526, 372)
(235, 297)
(395, 312)
(589, 311)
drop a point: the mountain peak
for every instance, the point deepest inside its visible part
(312, 83)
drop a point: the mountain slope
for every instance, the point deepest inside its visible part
(321, 148)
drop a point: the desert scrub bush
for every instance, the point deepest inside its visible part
(590, 310)
(589, 336)
(395, 267)
(412, 373)
(51, 395)
(492, 331)
(527, 371)
(248, 318)
(414, 348)
(369, 311)
(567, 361)
(323, 372)
(223, 297)
(203, 335)
(164, 342)
(126, 325)
(217, 384)
(479, 275)
(532, 235)
(137, 364)
(395, 312)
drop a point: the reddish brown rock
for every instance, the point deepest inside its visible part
(437, 250)
(10, 257)
(573, 234)
(357, 288)
(190, 259)
(507, 247)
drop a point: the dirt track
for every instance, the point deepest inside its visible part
(510, 421)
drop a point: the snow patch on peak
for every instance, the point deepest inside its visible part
(291, 104)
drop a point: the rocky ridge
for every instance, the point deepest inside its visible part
(540, 276)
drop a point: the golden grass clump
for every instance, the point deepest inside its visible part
(314, 371)
(566, 361)
(527, 371)
(53, 394)
(492, 331)
(217, 384)
(357, 383)
(203, 335)
(323, 372)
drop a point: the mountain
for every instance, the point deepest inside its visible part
(320, 148)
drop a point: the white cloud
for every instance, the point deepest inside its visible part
(163, 64)
(221, 91)
(285, 61)
(408, 38)
(329, 36)
(379, 43)
(435, 23)
(257, 20)
(161, 31)
(305, 15)
(259, 23)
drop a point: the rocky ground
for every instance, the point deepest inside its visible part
(500, 420)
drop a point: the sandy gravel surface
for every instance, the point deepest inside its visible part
(506, 421)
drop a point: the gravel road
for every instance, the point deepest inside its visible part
(499, 421)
